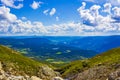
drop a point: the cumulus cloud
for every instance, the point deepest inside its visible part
(79, 29)
(52, 12)
(98, 22)
(92, 23)
(11, 3)
(10, 24)
(22, 27)
(5, 15)
(116, 14)
(90, 16)
(35, 5)
(46, 12)
(107, 8)
(113, 2)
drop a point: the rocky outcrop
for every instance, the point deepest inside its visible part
(98, 73)
(35, 78)
(44, 73)
(58, 78)
(114, 75)
(47, 73)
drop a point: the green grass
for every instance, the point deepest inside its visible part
(49, 60)
(18, 63)
(106, 58)
(59, 53)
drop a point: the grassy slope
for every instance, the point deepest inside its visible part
(13, 61)
(106, 58)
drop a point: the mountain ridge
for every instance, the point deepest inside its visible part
(14, 65)
(100, 65)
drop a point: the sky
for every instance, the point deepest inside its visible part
(59, 17)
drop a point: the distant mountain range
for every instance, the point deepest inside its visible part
(95, 43)
(98, 44)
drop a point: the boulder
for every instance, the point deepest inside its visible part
(57, 78)
(96, 73)
(114, 75)
(0, 66)
(35, 78)
(46, 73)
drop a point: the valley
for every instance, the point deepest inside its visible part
(15, 66)
(60, 58)
(60, 50)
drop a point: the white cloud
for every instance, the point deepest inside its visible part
(23, 18)
(11, 25)
(11, 3)
(46, 12)
(94, 23)
(35, 5)
(89, 0)
(116, 14)
(57, 18)
(107, 8)
(6, 15)
(90, 16)
(116, 11)
(113, 2)
(52, 12)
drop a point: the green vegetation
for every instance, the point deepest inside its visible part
(13, 61)
(106, 58)
(58, 62)
(68, 51)
(23, 51)
(49, 60)
(59, 53)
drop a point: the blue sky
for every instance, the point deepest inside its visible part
(65, 10)
(60, 17)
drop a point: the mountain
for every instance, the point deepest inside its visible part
(96, 43)
(105, 66)
(46, 49)
(14, 66)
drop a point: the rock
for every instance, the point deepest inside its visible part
(46, 73)
(57, 78)
(114, 75)
(0, 66)
(35, 78)
(27, 77)
(2, 76)
(12, 77)
(96, 73)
